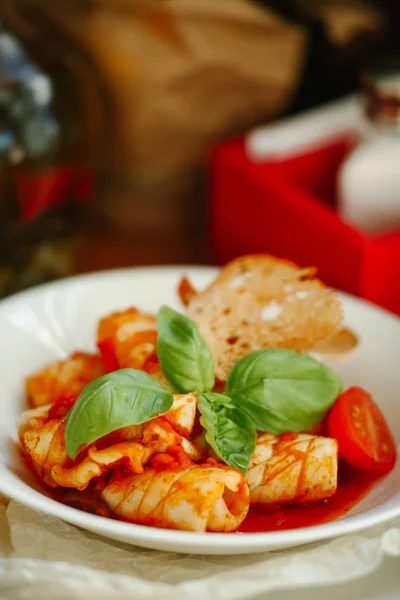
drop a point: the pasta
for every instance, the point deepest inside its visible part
(44, 446)
(199, 498)
(33, 418)
(160, 436)
(43, 441)
(182, 414)
(127, 339)
(134, 455)
(292, 468)
(69, 375)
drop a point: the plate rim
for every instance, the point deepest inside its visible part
(181, 267)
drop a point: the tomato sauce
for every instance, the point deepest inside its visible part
(353, 486)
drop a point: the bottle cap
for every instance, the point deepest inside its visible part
(382, 97)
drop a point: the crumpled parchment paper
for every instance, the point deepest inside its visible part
(43, 558)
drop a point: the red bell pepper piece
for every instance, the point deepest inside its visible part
(63, 404)
(107, 351)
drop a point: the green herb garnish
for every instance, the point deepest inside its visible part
(270, 390)
(282, 390)
(229, 430)
(118, 399)
(186, 360)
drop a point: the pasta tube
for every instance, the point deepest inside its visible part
(131, 336)
(199, 498)
(292, 468)
(159, 435)
(45, 447)
(70, 375)
(182, 414)
(98, 461)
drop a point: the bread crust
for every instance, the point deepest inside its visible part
(259, 301)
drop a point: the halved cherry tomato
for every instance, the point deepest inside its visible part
(363, 436)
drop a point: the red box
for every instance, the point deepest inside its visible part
(287, 208)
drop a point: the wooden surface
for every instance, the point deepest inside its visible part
(97, 252)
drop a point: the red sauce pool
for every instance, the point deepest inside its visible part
(353, 486)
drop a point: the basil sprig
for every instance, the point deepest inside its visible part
(282, 390)
(186, 360)
(229, 430)
(118, 399)
(272, 390)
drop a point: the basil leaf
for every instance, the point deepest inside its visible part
(282, 390)
(118, 399)
(229, 430)
(185, 359)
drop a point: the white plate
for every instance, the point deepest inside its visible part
(47, 323)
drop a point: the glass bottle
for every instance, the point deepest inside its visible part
(369, 179)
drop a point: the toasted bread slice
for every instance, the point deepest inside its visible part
(259, 301)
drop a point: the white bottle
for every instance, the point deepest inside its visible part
(369, 179)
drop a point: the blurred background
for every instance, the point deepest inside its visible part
(136, 132)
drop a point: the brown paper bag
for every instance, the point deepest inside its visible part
(176, 77)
